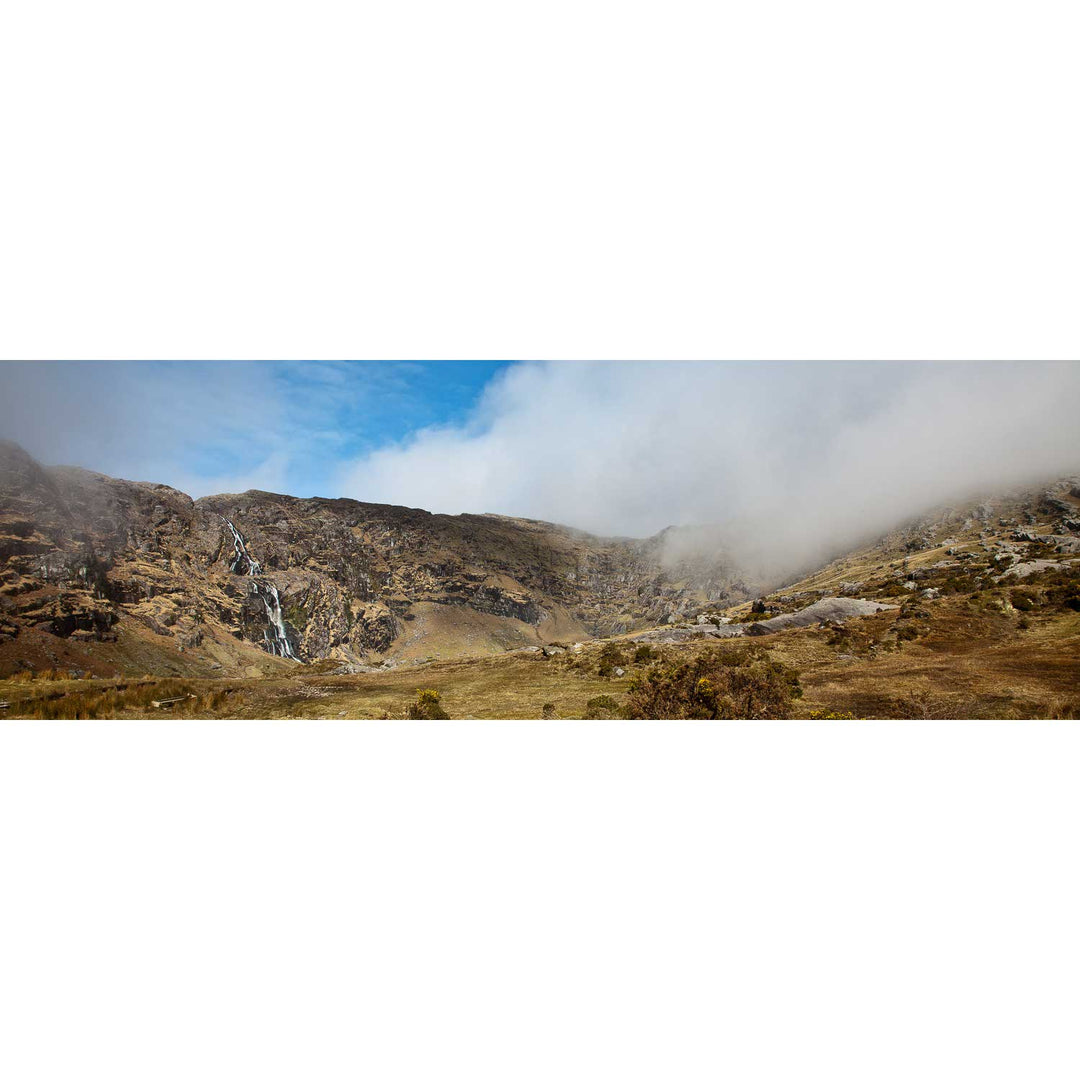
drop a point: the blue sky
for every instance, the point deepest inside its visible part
(206, 427)
(797, 454)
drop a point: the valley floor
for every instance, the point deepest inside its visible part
(965, 659)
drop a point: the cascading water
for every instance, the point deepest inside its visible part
(242, 555)
(275, 639)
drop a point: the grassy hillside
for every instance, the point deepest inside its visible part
(983, 621)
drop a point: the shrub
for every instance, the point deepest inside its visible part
(1063, 590)
(603, 707)
(892, 588)
(1021, 600)
(610, 657)
(726, 684)
(954, 584)
(612, 654)
(643, 654)
(426, 707)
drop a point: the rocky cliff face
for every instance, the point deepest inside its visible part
(86, 558)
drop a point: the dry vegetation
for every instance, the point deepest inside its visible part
(962, 656)
(965, 639)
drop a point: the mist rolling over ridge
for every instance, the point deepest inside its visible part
(560, 535)
(784, 462)
(779, 464)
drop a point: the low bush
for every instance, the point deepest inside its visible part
(892, 588)
(603, 707)
(610, 657)
(426, 707)
(1022, 600)
(721, 685)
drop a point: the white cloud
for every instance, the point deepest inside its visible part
(793, 459)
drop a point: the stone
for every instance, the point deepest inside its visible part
(828, 609)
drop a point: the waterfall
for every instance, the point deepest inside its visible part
(275, 639)
(242, 555)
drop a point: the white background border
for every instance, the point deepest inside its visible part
(477, 180)
(577, 179)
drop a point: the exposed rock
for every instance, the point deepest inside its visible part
(352, 580)
(1035, 566)
(670, 635)
(830, 609)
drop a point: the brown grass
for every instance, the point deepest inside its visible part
(967, 660)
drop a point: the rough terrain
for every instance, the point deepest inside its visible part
(125, 599)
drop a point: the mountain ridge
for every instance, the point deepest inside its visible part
(200, 606)
(92, 558)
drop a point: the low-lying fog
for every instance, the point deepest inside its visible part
(792, 461)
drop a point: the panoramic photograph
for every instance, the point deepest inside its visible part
(539, 541)
(590, 540)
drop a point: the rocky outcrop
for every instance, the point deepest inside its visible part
(315, 578)
(830, 609)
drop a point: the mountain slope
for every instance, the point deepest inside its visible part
(970, 610)
(96, 571)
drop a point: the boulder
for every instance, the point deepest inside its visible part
(829, 609)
